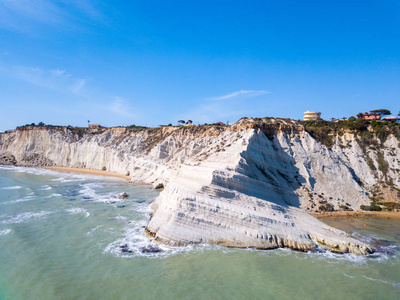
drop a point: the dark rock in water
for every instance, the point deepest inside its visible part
(125, 249)
(121, 206)
(316, 250)
(140, 201)
(123, 195)
(383, 246)
(150, 249)
(73, 193)
(382, 243)
(159, 186)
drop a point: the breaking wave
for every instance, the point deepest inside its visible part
(16, 187)
(78, 210)
(4, 232)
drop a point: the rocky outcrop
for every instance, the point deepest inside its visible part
(246, 185)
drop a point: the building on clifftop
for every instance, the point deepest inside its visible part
(311, 116)
(94, 126)
(391, 119)
(370, 116)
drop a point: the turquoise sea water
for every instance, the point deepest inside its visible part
(61, 238)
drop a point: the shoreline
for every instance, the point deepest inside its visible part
(89, 172)
(358, 214)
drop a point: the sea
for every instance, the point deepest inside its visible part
(69, 236)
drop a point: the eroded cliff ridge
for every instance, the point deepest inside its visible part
(245, 185)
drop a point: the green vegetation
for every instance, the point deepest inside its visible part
(382, 111)
(372, 207)
(134, 127)
(382, 163)
(369, 133)
(346, 207)
(391, 205)
(78, 130)
(326, 207)
(40, 124)
(325, 132)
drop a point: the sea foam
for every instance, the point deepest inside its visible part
(26, 217)
(78, 210)
(16, 187)
(4, 232)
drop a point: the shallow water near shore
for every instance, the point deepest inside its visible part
(61, 236)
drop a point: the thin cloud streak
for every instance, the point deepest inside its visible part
(242, 93)
(50, 79)
(120, 107)
(214, 112)
(22, 14)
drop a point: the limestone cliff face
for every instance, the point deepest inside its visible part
(247, 185)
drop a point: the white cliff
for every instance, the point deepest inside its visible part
(247, 185)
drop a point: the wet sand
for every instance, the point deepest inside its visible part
(358, 214)
(88, 172)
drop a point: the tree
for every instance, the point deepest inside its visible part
(181, 122)
(399, 114)
(382, 111)
(41, 124)
(189, 122)
(352, 119)
(360, 115)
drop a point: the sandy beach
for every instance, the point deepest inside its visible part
(358, 214)
(88, 171)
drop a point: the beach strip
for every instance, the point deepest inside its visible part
(88, 172)
(358, 214)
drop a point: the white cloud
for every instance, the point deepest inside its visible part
(22, 14)
(121, 107)
(78, 86)
(51, 79)
(57, 72)
(219, 110)
(214, 112)
(242, 93)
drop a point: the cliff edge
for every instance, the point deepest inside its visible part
(245, 185)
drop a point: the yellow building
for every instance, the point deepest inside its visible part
(311, 116)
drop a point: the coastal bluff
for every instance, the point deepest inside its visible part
(251, 184)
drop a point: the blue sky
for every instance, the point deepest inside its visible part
(155, 62)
